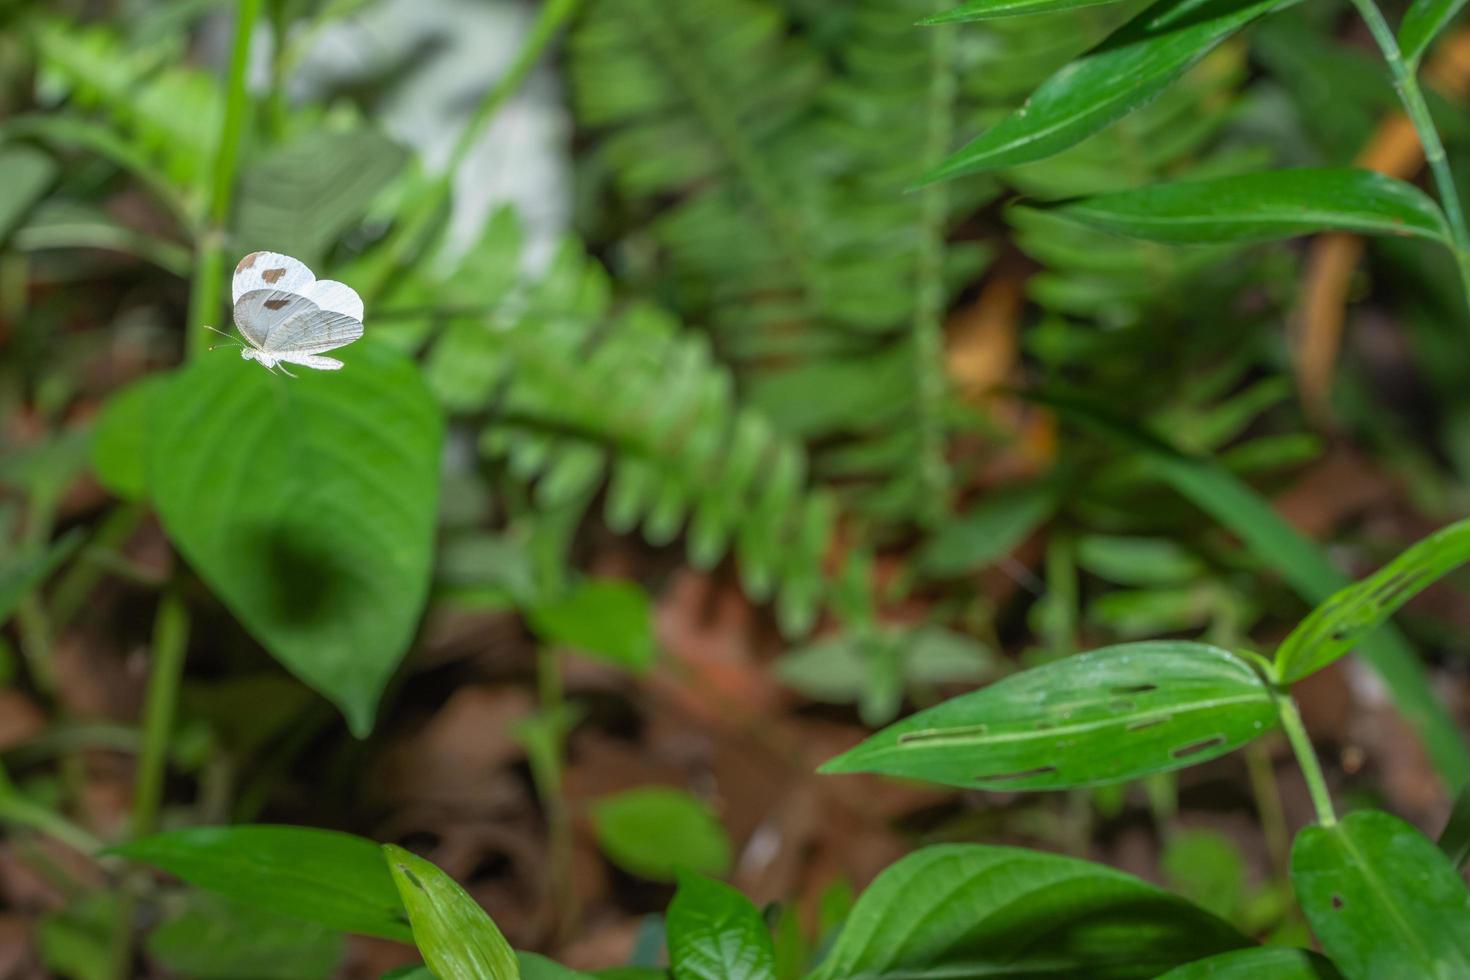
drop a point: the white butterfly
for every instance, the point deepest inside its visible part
(289, 316)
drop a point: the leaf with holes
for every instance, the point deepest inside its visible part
(456, 938)
(308, 506)
(1337, 625)
(1092, 92)
(967, 910)
(1114, 714)
(1384, 901)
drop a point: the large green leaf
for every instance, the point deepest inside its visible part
(992, 9)
(1113, 714)
(298, 198)
(215, 939)
(1264, 206)
(965, 910)
(1340, 623)
(1384, 901)
(1422, 23)
(120, 437)
(1257, 963)
(308, 505)
(657, 831)
(456, 938)
(320, 876)
(1093, 91)
(715, 933)
(1302, 563)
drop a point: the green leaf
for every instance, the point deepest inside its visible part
(1113, 714)
(1454, 840)
(23, 574)
(25, 173)
(1384, 901)
(120, 436)
(992, 9)
(298, 198)
(308, 506)
(1302, 563)
(1340, 623)
(715, 933)
(989, 531)
(536, 967)
(76, 941)
(967, 910)
(333, 879)
(656, 832)
(456, 938)
(608, 618)
(215, 939)
(1205, 867)
(1093, 91)
(1259, 963)
(1421, 25)
(1264, 206)
(1138, 561)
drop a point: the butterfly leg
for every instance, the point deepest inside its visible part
(284, 371)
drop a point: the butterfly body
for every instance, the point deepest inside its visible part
(288, 316)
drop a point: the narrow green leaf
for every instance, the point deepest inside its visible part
(1340, 623)
(1099, 88)
(993, 9)
(457, 940)
(608, 618)
(989, 531)
(1384, 901)
(119, 438)
(1421, 25)
(657, 831)
(25, 173)
(1454, 840)
(321, 876)
(308, 506)
(1303, 564)
(1265, 206)
(21, 575)
(1113, 714)
(1259, 963)
(715, 933)
(966, 910)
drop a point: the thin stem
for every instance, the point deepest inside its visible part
(928, 325)
(1306, 756)
(204, 297)
(1406, 84)
(15, 808)
(409, 237)
(546, 772)
(1268, 805)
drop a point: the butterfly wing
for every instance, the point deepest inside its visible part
(337, 297)
(259, 312)
(312, 330)
(270, 270)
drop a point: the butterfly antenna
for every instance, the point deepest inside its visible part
(232, 340)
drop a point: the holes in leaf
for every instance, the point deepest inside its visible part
(1195, 748)
(936, 734)
(1337, 901)
(1011, 777)
(1135, 689)
(1142, 723)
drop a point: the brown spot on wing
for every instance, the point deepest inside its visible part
(272, 276)
(275, 304)
(247, 261)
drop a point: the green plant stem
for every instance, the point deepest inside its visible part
(1406, 84)
(410, 236)
(204, 296)
(928, 325)
(275, 115)
(166, 669)
(17, 809)
(77, 583)
(1306, 756)
(546, 771)
(1268, 806)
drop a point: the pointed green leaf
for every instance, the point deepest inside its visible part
(1454, 840)
(715, 933)
(1421, 25)
(607, 618)
(1265, 206)
(457, 940)
(321, 876)
(992, 9)
(1259, 963)
(966, 910)
(536, 967)
(658, 831)
(308, 506)
(1384, 901)
(1099, 88)
(26, 173)
(1114, 714)
(1340, 623)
